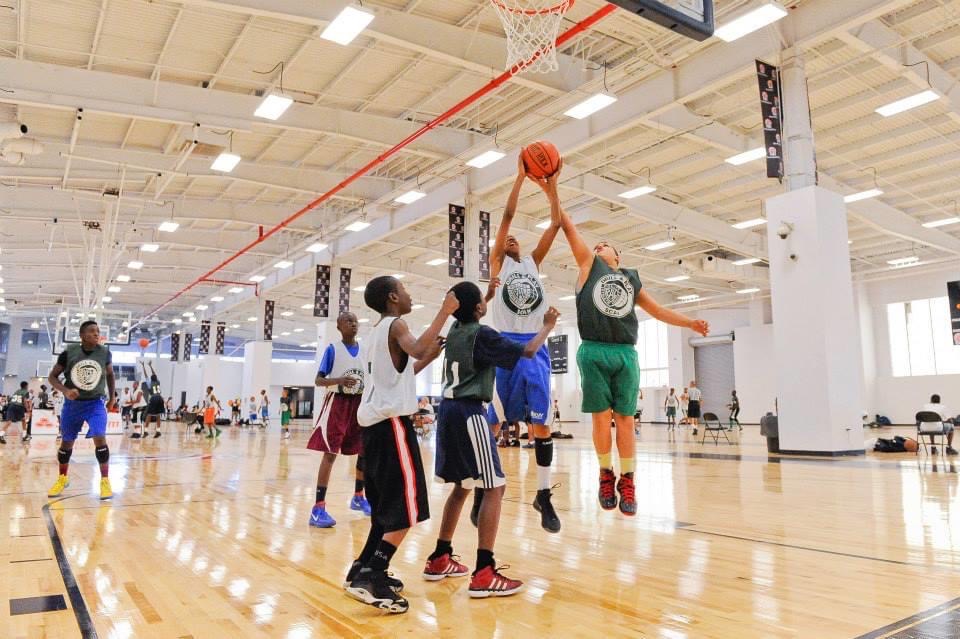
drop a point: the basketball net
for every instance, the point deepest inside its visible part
(532, 27)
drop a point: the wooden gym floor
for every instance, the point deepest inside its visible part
(211, 540)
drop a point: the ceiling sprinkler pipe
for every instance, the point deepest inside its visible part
(12, 130)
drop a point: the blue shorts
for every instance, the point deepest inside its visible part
(525, 389)
(265, 413)
(466, 451)
(76, 412)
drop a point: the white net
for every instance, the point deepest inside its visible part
(531, 27)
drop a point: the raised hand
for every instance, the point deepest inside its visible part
(700, 326)
(550, 317)
(450, 303)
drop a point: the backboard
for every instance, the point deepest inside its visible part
(114, 326)
(692, 18)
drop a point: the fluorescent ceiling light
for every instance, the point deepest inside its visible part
(745, 291)
(943, 222)
(637, 192)
(747, 156)
(284, 334)
(107, 299)
(911, 102)
(234, 326)
(677, 278)
(286, 313)
(357, 226)
(35, 324)
(283, 264)
(225, 162)
(216, 298)
(410, 197)
(363, 320)
(749, 223)
(316, 247)
(114, 289)
(169, 226)
(257, 278)
(202, 307)
(688, 298)
(543, 276)
(298, 330)
(136, 265)
(437, 261)
(306, 307)
(901, 262)
(766, 14)
(149, 248)
(348, 24)
(187, 313)
(591, 105)
(544, 224)
(273, 106)
(746, 261)
(399, 276)
(486, 159)
(177, 320)
(862, 195)
(251, 319)
(661, 245)
(123, 278)
(567, 298)
(417, 307)
(359, 289)
(236, 289)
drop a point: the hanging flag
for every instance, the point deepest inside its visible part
(268, 321)
(457, 215)
(485, 246)
(321, 292)
(204, 346)
(953, 296)
(221, 337)
(557, 346)
(175, 347)
(187, 346)
(768, 78)
(345, 274)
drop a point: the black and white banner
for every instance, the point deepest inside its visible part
(485, 246)
(268, 320)
(345, 290)
(953, 297)
(187, 346)
(204, 346)
(557, 346)
(221, 338)
(768, 78)
(321, 292)
(175, 347)
(457, 216)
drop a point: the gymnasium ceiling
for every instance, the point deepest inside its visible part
(147, 73)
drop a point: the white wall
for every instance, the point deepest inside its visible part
(754, 369)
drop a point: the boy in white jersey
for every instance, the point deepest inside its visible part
(396, 488)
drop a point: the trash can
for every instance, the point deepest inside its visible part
(769, 428)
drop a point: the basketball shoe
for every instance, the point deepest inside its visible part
(372, 589)
(608, 499)
(628, 501)
(488, 582)
(444, 566)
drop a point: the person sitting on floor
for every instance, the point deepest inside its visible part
(948, 422)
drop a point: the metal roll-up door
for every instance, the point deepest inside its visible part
(714, 375)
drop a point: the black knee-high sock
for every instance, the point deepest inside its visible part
(63, 458)
(373, 540)
(543, 448)
(382, 556)
(358, 483)
(103, 457)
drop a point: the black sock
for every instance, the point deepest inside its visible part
(382, 556)
(373, 540)
(444, 547)
(321, 493)
(358, 486)
(102, 454)
(543, 449)
(484, 559)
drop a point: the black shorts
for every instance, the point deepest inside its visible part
(693, 409)
(393, 475)
(155, 407)
(466, 450)
(15, 413)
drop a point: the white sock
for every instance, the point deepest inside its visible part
(543, 477)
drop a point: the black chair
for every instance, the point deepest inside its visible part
(712, 425)
(930, 424)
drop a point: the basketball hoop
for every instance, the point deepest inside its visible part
(531, 27)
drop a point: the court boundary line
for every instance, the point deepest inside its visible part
(912, 621)
(77, 602)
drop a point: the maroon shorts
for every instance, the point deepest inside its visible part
(337, 429)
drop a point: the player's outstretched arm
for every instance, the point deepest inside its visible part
(549, 185)
(421, 347)
(500, 241)
(647, 303)
(549, 322)
(425, 361)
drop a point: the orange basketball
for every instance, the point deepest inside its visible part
(541, 158)
(144, 342)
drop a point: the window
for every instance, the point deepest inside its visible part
(652, 354)
(920, 338)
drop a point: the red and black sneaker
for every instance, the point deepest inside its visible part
(608, 499)
(488, 582)
(444, 566)
(628, 500)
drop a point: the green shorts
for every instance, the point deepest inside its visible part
(609, 377)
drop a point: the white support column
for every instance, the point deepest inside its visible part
(257, 359)
(799, 158)
(210, 376)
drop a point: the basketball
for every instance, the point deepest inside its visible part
(541, 159)
(143, 342)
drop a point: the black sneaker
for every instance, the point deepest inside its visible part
(29, 437)
(3, 440)
(135, 435)
(475, 510)
(694, 432)
(392, 582)
(933, 450)
(371, 588)
(548, 516)
(515, 443)
(952, 451)
(607, 496)
(156, 434)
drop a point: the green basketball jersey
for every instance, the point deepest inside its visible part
(86, 371)
(473, 353)
(606, 304)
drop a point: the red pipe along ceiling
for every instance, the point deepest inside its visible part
(494, 84)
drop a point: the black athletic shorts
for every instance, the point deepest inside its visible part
(693, 409)
(155, 406)
(393, 474)
(15, 413)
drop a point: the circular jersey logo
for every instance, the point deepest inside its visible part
(86, 374)
(522, 293)
(613, 295)
(356, 389)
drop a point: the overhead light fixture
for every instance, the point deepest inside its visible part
(316, 247)
(216, 298)
(273, 106)
(911, 102)
(486, 159)
(284, 333)
(177, 320)
(745, 291)
(567, 298)
(114, 289)
(543, 276)
(187, 313)
(688, 298)
(234, 326)
(106, 299)
(943, 222)
(283, 264)
(748, 224)
(590, 106)
(437, 261)
(416, 307)
(491, 242)
(306, 307)
(359, 289)
(363, 320)
(286, 313)
(410, 197)
(398, 276)
(123, 278)
(236, 289)
(125, 324)
(35, 324)
(903, 262)
(862, 195)
(659, 246)
(149, 248)
(357, 226)
(637, 192)
(746, 261)
(251, 319)
(225, 162)
(298, 330)
(677, 278)
(758, 17)
(747, 156)
(348, 24)
(169, 226)
(544, 224)
(202, 307)
(135, 265)
(257, 278)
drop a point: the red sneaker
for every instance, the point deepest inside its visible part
(444, 566)
(628, 500)
(490, 583)
(608, 499)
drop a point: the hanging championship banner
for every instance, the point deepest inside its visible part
(187, 346)
(221, 337)
(204, 346)
(768, 78)
(321, 292)
(345, 290)
(457, 214)
(175, 347)
(557, 347)
(268, 321)
(485, 246)
(953, 297)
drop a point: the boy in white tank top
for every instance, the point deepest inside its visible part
(395, 483)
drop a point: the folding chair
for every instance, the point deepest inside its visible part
(930, 425)
(712, 425)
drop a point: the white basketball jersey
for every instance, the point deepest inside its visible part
(386, 392)
(346, 365)
(519, 303)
